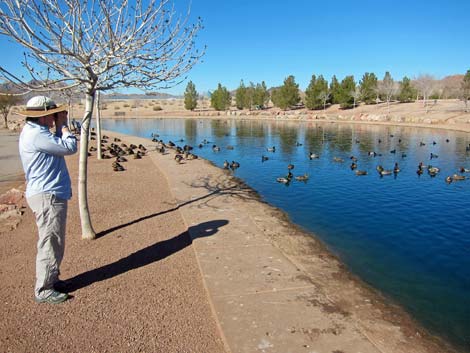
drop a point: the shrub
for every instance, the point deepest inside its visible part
(157, 107)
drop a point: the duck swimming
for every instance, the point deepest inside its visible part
(290, 167)
(458, 177)
(264, 158)
(396, 168)
(283, 180)
(234, 165)
(271, 149)
(286, 179)
(383, 171)
(361, 172)
(313, 156)
(302, 177)
(432, 171)
(338, 159)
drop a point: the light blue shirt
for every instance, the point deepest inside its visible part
(42, 154)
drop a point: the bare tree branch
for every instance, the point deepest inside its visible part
(95, 46)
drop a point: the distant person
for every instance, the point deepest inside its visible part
(48, 188)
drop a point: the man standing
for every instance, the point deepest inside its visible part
(48, 188)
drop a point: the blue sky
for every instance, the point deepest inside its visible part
(270, 40)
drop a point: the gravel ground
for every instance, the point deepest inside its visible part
(137, 288)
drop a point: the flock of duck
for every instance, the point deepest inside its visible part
(119, 151)
(183, 153)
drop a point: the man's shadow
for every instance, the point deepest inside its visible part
(146, 256)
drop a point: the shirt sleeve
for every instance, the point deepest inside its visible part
(58, 146)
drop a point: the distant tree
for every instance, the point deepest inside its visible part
(425, 85)
(314, 93)
(388, 88)
(220, 98)
(356, 95)
(287, 95)
(335, 89)
(260, 95)
(324, 96)
(190, 96)
(241, 96)
(6, 102)
(465, 89)
(347, 92)
(406, 91)
(368, 88)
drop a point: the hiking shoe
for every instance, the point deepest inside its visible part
(54, 298)
(61, 286)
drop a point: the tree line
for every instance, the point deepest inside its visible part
(320, 93)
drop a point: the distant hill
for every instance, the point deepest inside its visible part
(151, 95)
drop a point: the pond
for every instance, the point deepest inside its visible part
(406, 234)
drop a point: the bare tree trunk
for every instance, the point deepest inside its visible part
(99, 152)
(87, 228)
(6, 119)
(69, 114)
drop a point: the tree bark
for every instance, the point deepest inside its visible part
(69, 119)
(99, 152)
(87, 228)
(6, 121)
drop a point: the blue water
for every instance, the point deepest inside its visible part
(406, 235)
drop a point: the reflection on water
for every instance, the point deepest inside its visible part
(405, 234)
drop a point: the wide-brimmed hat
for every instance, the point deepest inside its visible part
(41, 106)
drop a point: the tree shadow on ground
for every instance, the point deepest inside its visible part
(146, 256)
(228, 187)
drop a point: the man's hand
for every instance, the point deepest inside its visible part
(61, 119)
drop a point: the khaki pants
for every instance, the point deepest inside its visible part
(51, 216)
